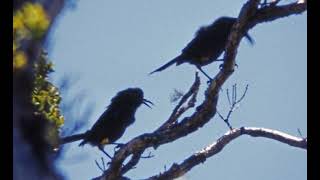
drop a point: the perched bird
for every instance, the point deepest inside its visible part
(207, 45)
(112, 124)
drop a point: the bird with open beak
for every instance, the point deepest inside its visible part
(112, 124)
(120, 114)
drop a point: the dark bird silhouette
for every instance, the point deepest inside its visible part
(112, 124)
(207, 45)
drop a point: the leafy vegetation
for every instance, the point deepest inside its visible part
(31, 22)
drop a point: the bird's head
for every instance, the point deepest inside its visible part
(131, 97)
(226, 23)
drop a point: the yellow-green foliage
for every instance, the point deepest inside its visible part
(29, 22)
(45, 95)
(46, 98)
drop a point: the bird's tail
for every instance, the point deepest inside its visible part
(86, 135)
(73, 138)
(175, 60)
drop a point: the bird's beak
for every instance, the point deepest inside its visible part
(146, 101)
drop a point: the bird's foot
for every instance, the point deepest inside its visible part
(222, 66)
(118, 145)
(265, 3)
(148, 156)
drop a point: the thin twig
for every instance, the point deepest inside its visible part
(299, 132)
(178, 110)
(235, 92)
(233, 105)
(102, 169)
(243, 95)
(103, 164)
(228, 96)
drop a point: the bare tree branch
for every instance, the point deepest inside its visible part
(249, 16)
(177, 170)
(178, 110)
(133, 161)
(188, 125)
(271, 13)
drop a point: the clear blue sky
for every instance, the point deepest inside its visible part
(112, 45)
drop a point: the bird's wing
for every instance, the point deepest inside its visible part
(196, 43)
(106, 118)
